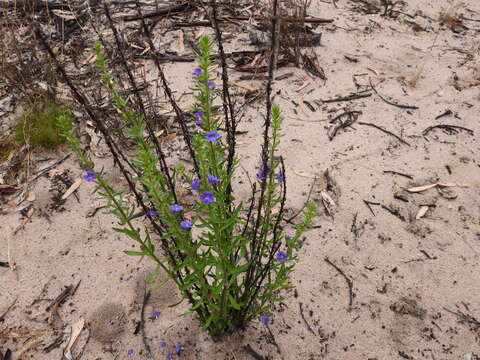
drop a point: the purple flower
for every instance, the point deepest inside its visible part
(90, 175)
(199, 123)
(199, 114)
(280, 176)
(156, 314)
(176, 208)
(195, 184)
(130, 352)
(152, 213)
(163, 344)
(262, 173)
(213, 179)
(212, 136)
(264, 318)
(211, 84)
(197, 71)
(169, 356)
(281, 256)
(179, 348)
(207, 197)
(187, 225)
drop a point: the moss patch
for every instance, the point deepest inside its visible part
(38, 126)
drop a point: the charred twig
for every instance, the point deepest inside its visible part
(60, 298)
(2, 317)
(249, 350)
(160, 12)
(465, 317)
(450, 129)
(287, 19)
(347, 279)
(345, 114)
(352, 117)
(385, 131)
(394, 212)
(390, 102)
(445, 113)
(228, 106)
(398, 173)
(166, 88)
(368, 203)
(305, 320)
(347, 98)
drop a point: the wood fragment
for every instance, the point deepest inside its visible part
(72, 188)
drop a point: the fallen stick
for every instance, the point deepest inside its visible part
(385, 131)
(390, 102)
(347, 279)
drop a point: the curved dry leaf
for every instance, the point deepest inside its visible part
(422, 188)
(305, 174)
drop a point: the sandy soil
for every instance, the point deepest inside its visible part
(412, 278)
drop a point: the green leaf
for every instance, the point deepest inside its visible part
(134, 253)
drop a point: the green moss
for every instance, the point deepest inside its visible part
(38, 126)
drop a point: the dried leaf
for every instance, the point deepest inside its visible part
(72, 188)
(169, 137)
(421, 213)
(305, 174)
(422, 188)
(76, 330)
(328, 202)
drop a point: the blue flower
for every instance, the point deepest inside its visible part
(199, 114)
(195, 184)
(207, 197)
(212, 136)
(264, 318)
(197, 71)
(169, 356)
(90, 175)
(179, 348)
(211, 84)
(176, 208)
(163, 344)
(152, 213)
(213, 179)
(199, 123)
(280, 176)
(281, 256)
(262, 173)
(187, 225)
(130, 352)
